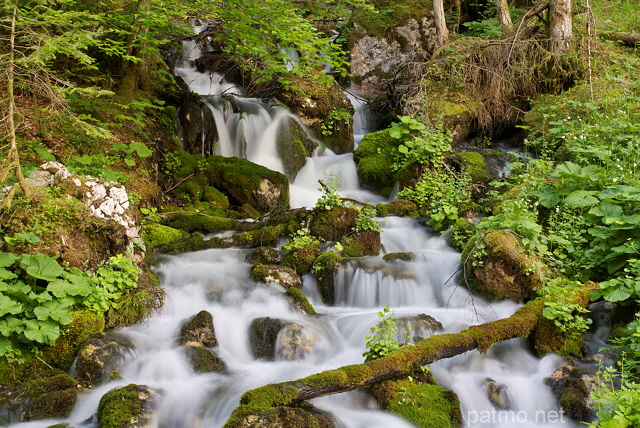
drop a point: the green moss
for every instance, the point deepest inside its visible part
(357, 373)
(49, 405)
(204, 361)
(328, 377)
(428, 406)
(374, 160)
(300, 259)
(407, 257)
(268, 235)
(361, 244)
(260, 400)
(193, 242)
(119, 407)
(215, 197)
(62, 353)
(475, 166)
(392, 14)
(201, 223)
(550, 339)
(154, 234)
(399, 208)
(294, 146)
(300, 300)
(333, 224)
(324, 268)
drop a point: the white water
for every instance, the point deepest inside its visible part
(219, 281)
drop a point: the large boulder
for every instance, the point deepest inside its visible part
(197, 127)
(248, 183)
(285, 417)
(294, 342)
(294, 146)
(374, 160)
(263, 333)
(199, 331)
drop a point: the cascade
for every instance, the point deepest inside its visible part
(219, 282)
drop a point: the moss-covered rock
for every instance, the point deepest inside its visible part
(62, 353)
(361, 244)
(320, 104)
(572, 386)
(199, 330)
(201, 223)
(300, 259)
(425, 405)
(215, 197)
(126, 407)
(374, 160)
(333, 224)
(390, 257)
(285, 417)
(294, 146)
(265, 256)
(398, 208)
(324, 268)
(274, 274)
(50, 397)
(299, 301)
(154, 234)
(204, 360)
(474, 165)
(248, 183)
(506, 271)
(263, 333)
(100, 356)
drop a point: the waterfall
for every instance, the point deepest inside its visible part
(219, 282)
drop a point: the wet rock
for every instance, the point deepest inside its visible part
(265, 255)
(294, 342)
(498, 394)
(361, 244)
(299, 301)
(325, 268)
(294, 146)
(197, 126)
(100, 356)
(390, 257)
(374, 160)
(418, 327)
(204, 360)
(199, 331)
(286, 417)
(263, 334)
(300, 259)
(274, 274)
(333, 224)
(573, 386)
(127, 407)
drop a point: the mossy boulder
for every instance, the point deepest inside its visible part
(275, 274)
(215, 197)
(374, 161)
(50, 397)
(325, 268)
(398, 208)
(199, 330)
(361, 244)
(204, 360)
(265, 255)
(294, 146)
(320, 104)
(100, 356)
(248, 183)
(285, 417)
(506, 271)
(197, 124)
(333, 224)
(62, 353)
(573, 386)
(155, 234)
(405, 257)
(263, 334)
(299, 301)
(127, 407)
(424, 405)
(474, 165)
(300, 259)
(201, 223)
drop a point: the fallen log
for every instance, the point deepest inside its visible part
(629, 39)
(397, 364)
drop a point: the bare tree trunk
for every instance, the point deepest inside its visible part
(560, 22)
(504, 16)
(13, 160)
(442, 33)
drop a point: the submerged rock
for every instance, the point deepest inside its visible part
(498, 394)
(294, 342)
(294, 146)
(274, 274)
(263, 334)
(100, 356)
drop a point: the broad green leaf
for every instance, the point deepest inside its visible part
(11, 325)
(41, 266)
(55, 310)
(9, 306)
(141, 149)
(75, 285)
(568, 169)
(547, 197)
(617, 295)
(580, 199)
(403, 149)
(7, 259)
(18, 289)
(45, 332)
(44, 154)
(5, 346)
(130, 161)
(7, 274)
(606, 209)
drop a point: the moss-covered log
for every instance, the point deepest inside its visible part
(400, 363)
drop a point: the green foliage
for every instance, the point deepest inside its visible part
(365, 221)
(420, 144)
(330, 197)
(627, 345)
(37, 297)
(617, 406)
(302, 239)
(487, 28)
(384, 338)
(338, 118)
(565, 314)
(622, 287)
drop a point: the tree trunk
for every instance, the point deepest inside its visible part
(629, 39)
(13, 160)
(560, 30)
(504, 16)
(400, 363)
(442, 33)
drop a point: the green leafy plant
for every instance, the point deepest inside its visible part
(302, 239)
(617, 405)
(338, 118)
(365, 221)
(426, 145)
(330, 197)
(110, 282)
(384, 338)
(565, 314)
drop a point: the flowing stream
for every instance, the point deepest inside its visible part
(219, 281)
